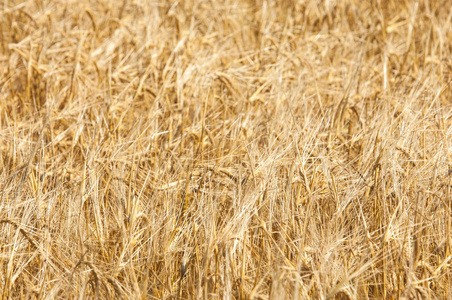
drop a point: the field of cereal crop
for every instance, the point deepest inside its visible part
(225, 149)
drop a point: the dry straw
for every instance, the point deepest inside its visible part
(227, 149)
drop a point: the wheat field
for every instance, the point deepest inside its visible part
(225, 149)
